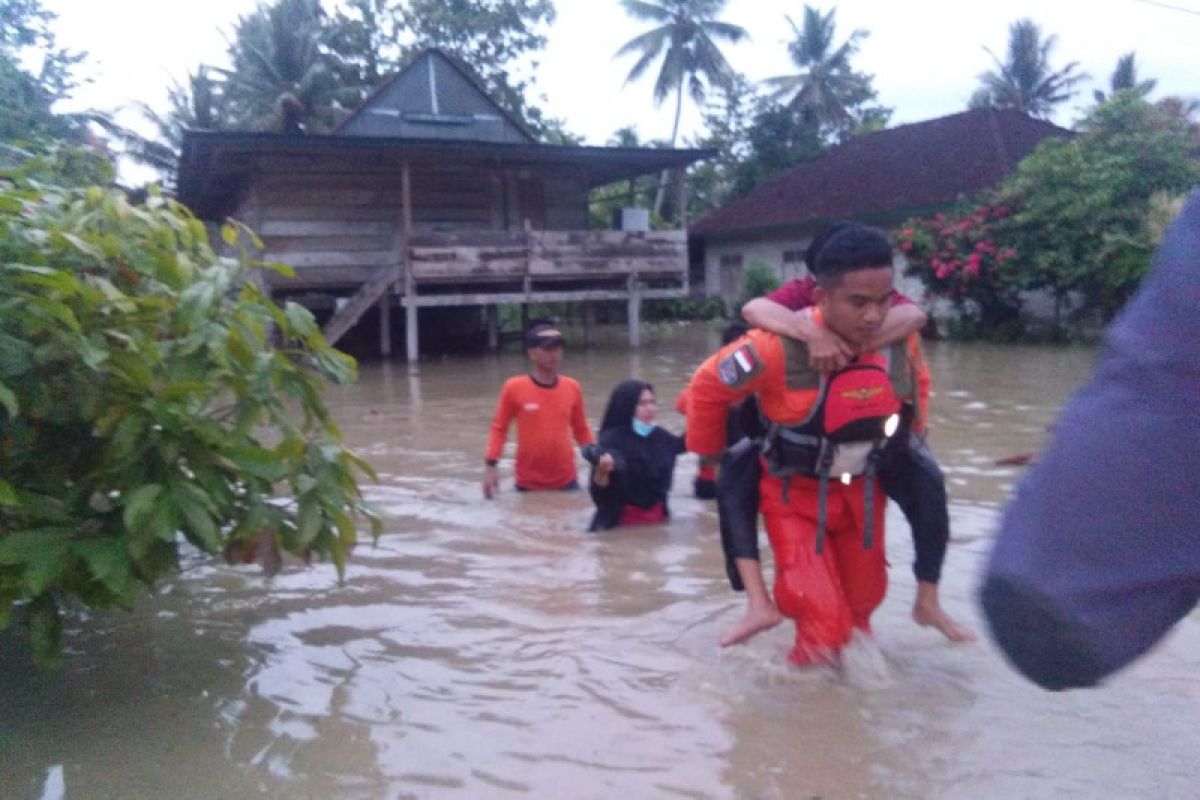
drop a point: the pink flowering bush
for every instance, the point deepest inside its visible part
(964, 256)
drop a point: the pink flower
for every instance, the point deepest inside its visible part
(973, 264)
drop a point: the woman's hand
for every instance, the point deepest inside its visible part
(603, 471)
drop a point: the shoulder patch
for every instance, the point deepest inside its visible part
(740, 366)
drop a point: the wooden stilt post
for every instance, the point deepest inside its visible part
(493, 327)
(589, 324)
(683, 224)
(385, 325)
(635, 311)
(412, 344)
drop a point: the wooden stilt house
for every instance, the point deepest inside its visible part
(430, 194)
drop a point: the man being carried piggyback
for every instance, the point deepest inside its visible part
(910, 475)
(826, 436)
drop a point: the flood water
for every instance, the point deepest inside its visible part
(494, 650)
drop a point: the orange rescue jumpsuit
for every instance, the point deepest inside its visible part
(830, 593)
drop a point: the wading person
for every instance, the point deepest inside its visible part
(548, 408)
(633, 460)
(826, 435)
(910, 475)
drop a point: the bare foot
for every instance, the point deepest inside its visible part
(928, 612)
(934, 616)
(755, 621)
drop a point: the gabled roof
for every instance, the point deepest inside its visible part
(434, 97)
(888, 175)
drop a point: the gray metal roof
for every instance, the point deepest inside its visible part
(216, 166)
(433, 97)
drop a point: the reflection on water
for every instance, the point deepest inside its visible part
(492, 649)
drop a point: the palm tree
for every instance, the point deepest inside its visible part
(1125, 77)
(283, 77)
(684, 37)
(826, 90)
(196, 106)
(1025, 81)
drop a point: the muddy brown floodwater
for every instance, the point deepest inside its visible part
(494, 650)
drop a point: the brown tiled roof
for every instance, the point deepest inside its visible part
(889, 174)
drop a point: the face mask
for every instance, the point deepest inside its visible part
(642, 428)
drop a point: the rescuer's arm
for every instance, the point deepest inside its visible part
(579, 427)
(496, 438)
(828, 352)
(735, 371)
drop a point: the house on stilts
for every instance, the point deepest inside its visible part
(429, 195)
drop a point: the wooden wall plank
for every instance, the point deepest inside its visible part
(333, 260)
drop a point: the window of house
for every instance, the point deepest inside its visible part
(793, 256)
(734, 260)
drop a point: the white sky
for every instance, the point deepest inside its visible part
(926, 55)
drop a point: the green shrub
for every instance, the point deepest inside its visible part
(142, 404)
(758, 278)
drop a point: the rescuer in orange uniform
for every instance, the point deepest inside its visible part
(819, 495)
(548, 409)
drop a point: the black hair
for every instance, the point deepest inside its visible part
(733, 331)
(850, 249)
(622, 403)
(813, 251)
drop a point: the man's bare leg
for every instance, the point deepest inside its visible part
(761, 612)
(928, 611)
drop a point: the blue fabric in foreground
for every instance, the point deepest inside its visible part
(1098, 554)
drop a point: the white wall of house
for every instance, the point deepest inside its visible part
(724, 262)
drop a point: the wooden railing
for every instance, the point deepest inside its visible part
(489, 257)
(547, 255)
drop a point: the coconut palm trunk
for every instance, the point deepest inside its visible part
(661, 194)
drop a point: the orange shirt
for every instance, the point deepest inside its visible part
(545, 415)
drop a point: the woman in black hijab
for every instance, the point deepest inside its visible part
(633, 460)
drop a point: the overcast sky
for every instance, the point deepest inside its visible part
(925, 55)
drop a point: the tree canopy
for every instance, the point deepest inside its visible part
(826, 94)
(284, 77)
(1025, 80)
(684, 41)
(1078, 218)
(28, 95)
(1125, 78)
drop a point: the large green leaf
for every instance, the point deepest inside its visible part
(9, 400)
(139, 505)
(108, 561)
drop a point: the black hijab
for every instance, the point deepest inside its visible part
(622, 404)
(644, 463)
